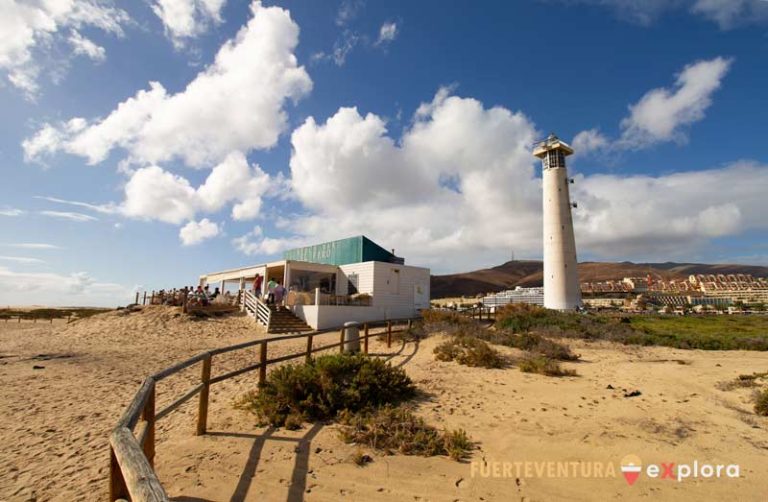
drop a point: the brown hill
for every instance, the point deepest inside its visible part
(528, 273)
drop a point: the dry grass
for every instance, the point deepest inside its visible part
(543, 365)
(469, 351)
(397, 430)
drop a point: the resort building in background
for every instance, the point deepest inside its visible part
(328, 284)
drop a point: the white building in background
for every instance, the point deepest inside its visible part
(534, 296)
(329, 284)
(561, 277)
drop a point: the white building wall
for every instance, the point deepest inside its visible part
(397, 292)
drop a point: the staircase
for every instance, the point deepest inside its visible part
(276, 321)
(285, 321)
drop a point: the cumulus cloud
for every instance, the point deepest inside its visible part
(30, 28)
(185, 19)
(196, 232)
(663, 114)
(460, 188)
(153, 193)
(387, 33)
(439, 190)
(671, 214)
(727, 14)
(211, 117)
(589, 141)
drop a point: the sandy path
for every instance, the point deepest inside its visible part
(55, 421)
(679, 417)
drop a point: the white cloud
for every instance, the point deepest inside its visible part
(668, 215)
(589, 141)
(79, 288)
(29, 29)
(460, 188)
(11, 211)
(21, 259)
(726, 13)
(234, 104)
(32, 245)
(153, 193)
(387, 33)
(104, 209)
(348, 10)
(196, 232)
(438, 192)
(663, 114)
(85, 47)
(65, 215)
(185, 19)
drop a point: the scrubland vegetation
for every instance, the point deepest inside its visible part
(364, 394)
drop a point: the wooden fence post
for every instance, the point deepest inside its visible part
(389, 334)
(137, 298)
(263, 360)
(309, 347)
(341, 341)
(148, 414)
(117, 487)
(202, 409)
(365, 340)
(144, 301)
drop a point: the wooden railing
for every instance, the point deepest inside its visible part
(255, 307)
(132, 442)
(480, 312)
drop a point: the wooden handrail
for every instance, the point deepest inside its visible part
(132, 456)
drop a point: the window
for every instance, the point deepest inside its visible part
(353, 283)
(554, 158)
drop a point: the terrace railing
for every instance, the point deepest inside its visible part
(132, 442)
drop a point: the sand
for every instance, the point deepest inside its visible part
(54, 422)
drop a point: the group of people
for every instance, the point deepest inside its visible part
(202, 295)
(276, 292)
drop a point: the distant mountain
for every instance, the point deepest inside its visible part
(529, 273)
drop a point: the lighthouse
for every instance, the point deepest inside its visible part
(561, 276)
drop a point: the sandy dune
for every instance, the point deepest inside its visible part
(55, 421)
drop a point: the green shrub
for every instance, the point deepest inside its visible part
(395, 429)
(469, 351)
(321, 388)
(543, 366)
(761, 403)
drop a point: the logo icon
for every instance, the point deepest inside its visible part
(631, 465)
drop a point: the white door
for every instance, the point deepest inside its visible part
(420, 296)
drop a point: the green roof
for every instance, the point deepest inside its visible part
(343, 252)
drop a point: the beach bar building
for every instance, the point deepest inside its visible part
(328, 284)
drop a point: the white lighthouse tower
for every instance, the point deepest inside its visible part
(561, 277)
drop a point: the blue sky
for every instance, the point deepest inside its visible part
(145, 143)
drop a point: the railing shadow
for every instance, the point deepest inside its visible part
(300, 467)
